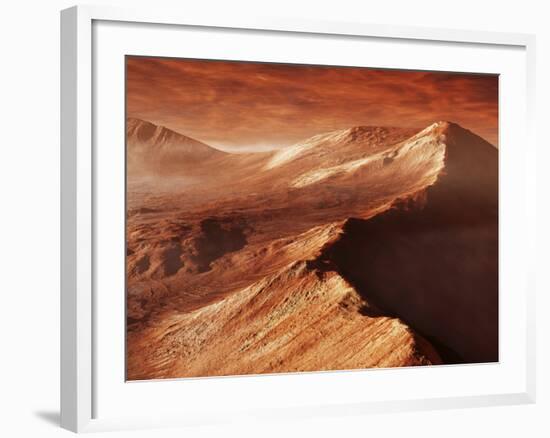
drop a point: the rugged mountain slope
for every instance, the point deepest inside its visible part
(299, 318)
(432, 258)
(332, 148)
(347, 250)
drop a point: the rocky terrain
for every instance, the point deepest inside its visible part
(364, 247)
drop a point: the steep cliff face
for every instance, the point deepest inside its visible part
(366, 247)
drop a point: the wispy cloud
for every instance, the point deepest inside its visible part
(243, 104)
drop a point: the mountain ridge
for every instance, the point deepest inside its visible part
(277, 275)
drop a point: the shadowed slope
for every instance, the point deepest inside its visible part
(298, 319)
(433, 258)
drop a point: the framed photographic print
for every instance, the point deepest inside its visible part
(252, 208)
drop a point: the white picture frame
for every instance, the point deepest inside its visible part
(81, 370)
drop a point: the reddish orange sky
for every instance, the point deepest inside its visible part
(244, 105)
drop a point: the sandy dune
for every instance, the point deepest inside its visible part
(365, 247)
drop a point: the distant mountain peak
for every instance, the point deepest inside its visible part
(367, 129)
(448, 128)
(154, 147)
(145, 130)
(145, 134)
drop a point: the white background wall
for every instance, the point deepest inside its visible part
(29, 218)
